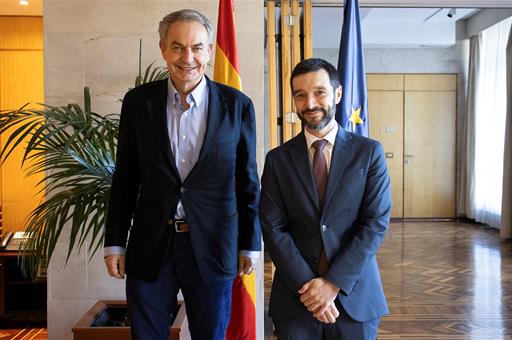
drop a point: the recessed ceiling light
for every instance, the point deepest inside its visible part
(23, 2)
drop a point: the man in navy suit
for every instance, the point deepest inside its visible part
(325, 208)
(185, 189)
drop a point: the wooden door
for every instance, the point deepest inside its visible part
(385, 103)
(413, 116)
(429, 146)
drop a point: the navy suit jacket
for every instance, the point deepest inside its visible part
(351, 225)
(222, 213)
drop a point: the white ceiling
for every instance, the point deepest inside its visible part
(390, 27)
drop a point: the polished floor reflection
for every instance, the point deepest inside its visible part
(24, 334)
(444, 280)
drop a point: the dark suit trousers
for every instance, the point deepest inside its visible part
(306, 327)
(150, 304)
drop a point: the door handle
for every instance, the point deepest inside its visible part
(407, 157)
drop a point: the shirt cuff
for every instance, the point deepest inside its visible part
(250, 253)
(114, 250)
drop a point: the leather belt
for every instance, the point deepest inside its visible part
(180, 226)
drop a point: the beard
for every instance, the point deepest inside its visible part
(328, 114)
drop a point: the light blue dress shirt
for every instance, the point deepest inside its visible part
(186, 128)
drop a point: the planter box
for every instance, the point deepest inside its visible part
(106, 320)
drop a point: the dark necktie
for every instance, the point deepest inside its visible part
(320, 168)
(320, 175)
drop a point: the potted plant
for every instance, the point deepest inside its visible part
(107, 320)
(74, 148)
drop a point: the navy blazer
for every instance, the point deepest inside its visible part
(222, 213)
(351, 225)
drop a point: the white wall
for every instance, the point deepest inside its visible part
(403, 60)
(95, 43)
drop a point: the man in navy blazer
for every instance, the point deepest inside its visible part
(185, 190)
(323, 243)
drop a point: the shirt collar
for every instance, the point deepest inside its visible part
(195, 98)
(330, 137)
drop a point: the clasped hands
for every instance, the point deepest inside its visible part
(318, 295)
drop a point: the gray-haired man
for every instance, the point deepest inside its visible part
(185, 188)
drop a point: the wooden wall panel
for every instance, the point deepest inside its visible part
(430, 82)
(308, 29)
(385, 82)
(21, 82)
(386, 125)
(287, 47)
(286, 60)
(272, 78)
(21, 33)
(296, 56)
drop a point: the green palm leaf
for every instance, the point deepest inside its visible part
(75, 150)
(151, 74)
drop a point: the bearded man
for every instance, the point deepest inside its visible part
(325, 207)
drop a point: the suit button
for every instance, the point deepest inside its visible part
(182, 190)
(323, 227)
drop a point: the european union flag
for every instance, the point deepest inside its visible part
(352, 111)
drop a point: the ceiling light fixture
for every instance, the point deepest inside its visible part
(452, 12)
(23, 2)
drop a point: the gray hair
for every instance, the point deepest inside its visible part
(184, 15)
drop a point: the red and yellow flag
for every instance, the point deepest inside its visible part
(242, 325)
(226, 70)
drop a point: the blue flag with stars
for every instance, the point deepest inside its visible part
(352, 111)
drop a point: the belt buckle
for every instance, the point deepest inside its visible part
(180, 226)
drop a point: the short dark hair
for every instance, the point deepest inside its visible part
(184, 15)
(313, 65)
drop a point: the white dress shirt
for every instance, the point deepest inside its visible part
(330, 137)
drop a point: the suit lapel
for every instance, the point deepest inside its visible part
(339, 158)
(217, 110)
(157, 112)
(299, 157)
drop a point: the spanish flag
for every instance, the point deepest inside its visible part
(242, 325)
